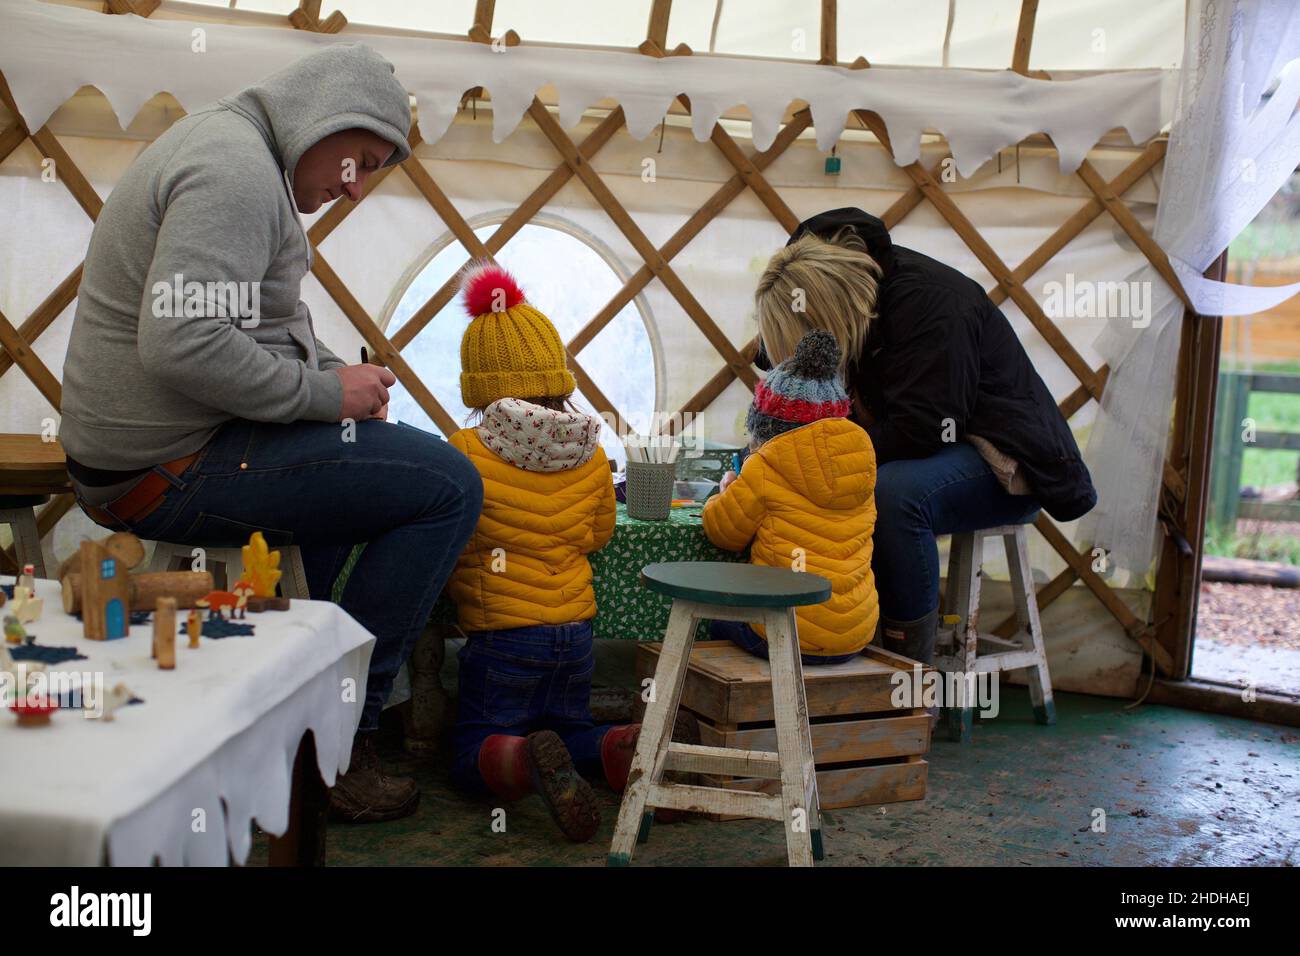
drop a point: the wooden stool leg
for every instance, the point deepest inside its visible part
(293, 580)
(27, 539)
(792, 740)
(656, 731)
(814, 798)
(425, 716)
(968, 549)
(1022, 590)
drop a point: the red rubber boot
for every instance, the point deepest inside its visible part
(617, 748)
(513, 767)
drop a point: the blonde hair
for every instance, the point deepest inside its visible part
(835, 282)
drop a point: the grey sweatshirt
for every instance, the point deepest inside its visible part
(150, 374)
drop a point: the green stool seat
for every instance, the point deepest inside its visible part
(735, 585)
(22, 501)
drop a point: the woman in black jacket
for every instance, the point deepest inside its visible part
(966, 434)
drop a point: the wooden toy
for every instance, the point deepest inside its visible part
(107, 593)
(116, 698)
(26, 606)
(145, 588)
(236, 600)
(123, 545)
(261, 565)
(164, 633)
(194, 626)
(34, 712)
(27, 579)
(14, 630)
(257, 604)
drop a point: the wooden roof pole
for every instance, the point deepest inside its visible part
(1024, 36)
(829, 37)
(307, 17)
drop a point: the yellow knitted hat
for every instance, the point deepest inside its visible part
(510, 350)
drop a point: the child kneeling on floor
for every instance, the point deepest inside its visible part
(522, 586)
(805, 500)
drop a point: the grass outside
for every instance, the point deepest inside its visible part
(1260, 468)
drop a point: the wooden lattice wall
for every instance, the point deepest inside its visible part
(1162, 640)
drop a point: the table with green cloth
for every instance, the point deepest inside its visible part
(625, 610)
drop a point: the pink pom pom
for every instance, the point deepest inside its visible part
(489, 288)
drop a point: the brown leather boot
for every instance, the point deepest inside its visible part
(365, 794)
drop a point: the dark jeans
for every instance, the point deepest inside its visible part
(521, 680)
(742, 635)
(409, 496)
(953, 490)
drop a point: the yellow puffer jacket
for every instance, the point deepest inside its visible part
(810, 493)
(526, 562)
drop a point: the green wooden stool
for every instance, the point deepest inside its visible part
(720, 591)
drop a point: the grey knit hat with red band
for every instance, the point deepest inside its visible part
(804, 388)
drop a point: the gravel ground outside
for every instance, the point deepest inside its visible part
(1247, 633)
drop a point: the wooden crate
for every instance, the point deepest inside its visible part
(866, 750)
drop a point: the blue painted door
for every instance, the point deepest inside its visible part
(115, 619)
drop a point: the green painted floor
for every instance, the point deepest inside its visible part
(1177, 788)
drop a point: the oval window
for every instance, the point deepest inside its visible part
(566, 276)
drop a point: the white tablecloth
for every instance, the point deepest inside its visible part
(223, 726)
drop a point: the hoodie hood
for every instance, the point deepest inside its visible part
(829, 462)
(535, 438)
(871, 230)
(343, 86)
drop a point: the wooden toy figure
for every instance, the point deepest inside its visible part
(26, 605)
(28, 578)
(106, 593)
(194, 626)
(215, 601)
(118, 697)
(164, 633)
(261, 565)
(14, 630)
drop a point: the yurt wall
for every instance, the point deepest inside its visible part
(710, 212)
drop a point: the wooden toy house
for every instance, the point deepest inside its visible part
(106, 593)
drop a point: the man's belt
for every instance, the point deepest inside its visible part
(144, 496)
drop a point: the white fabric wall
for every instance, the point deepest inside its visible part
(49, 231)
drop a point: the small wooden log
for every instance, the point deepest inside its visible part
(164, 632)
(145, 589)
(122, 545)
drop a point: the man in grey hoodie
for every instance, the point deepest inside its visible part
(199, 406)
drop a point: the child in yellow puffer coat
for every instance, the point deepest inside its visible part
(805, 500)
(522, 586)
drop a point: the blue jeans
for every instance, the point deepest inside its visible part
(953, 490)
(409, 496)
(742, 635)
(521, 680)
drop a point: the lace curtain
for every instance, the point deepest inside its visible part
(1234, 141)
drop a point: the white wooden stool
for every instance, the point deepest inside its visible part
(965, 650)
(721, 591)
(19, 512)
(172, 557)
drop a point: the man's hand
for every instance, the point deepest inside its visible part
(365, 391)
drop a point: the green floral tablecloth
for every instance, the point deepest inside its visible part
(626, 611)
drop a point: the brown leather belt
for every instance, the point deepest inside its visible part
(146, 495)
